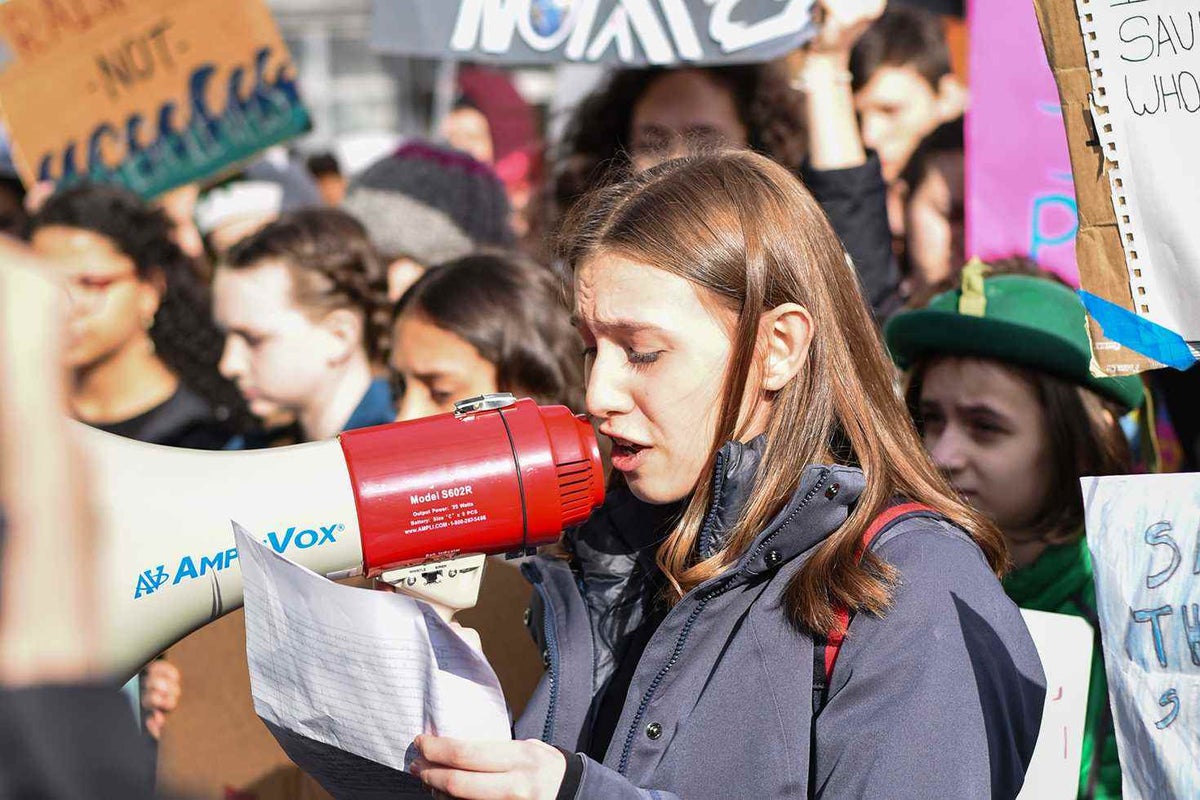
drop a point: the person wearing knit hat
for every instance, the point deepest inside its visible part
(1000, 385)
(424, 205)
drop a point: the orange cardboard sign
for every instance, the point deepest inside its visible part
(150, 94)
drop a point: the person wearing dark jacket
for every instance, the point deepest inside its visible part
(1000, 384)
(643, 116)
(782, 596)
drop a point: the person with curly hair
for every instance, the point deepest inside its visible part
(300, 303)
(142, 348)
(641, 117)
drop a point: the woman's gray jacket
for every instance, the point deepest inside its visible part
(941, 697)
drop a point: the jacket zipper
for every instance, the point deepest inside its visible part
(710, 519)
(716, 591)
(549, 629)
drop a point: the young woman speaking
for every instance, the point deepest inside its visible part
(781, 597)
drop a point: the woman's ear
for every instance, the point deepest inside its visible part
(150, 294)
(345, 326)
(787, 332)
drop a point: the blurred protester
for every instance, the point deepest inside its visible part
(493, 123)
(934, 212)
(301, 314)
(490, 322)
(424, 205)
(327, 172)
(644, 116)
(63, 732)
(1000, 386)
(904, 88)
(142, 348)
(180, 207)
(13, 213)
(904, 85)
(237, 207)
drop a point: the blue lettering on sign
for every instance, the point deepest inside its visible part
(195, 566)
(1157, 535)
(1169, 698)
(175, 145)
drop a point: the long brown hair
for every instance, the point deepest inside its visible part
(743, 228)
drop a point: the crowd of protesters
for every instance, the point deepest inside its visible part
(753, 279)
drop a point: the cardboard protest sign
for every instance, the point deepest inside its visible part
(1115, 274)
(151, 94)
(1144, 536)
(1028, 205)
(1064, 644)
(626, 32)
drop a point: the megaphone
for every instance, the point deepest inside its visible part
(401, 501)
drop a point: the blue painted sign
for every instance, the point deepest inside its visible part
(1144, 535)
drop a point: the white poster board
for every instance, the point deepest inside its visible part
(1145, 72)
(1144, 534)
(1064, 644)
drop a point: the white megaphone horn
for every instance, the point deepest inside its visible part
(397, 501)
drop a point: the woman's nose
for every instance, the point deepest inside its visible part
(412, 406)
(948, 450)
(606, 394)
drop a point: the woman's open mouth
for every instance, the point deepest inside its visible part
(626, 456)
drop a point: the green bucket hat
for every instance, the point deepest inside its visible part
(1017, 319)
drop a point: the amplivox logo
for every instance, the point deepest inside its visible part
(193, 566)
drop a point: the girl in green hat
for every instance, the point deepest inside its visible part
(1000, 388)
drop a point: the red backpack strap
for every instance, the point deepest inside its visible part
(833, 639)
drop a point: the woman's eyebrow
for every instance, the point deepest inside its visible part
(617, 325)
(982, 409)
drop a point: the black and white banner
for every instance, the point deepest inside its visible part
(623, 32)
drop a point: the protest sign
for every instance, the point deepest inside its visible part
(1125, 336)
(1064, 645)
(1027, 206)
(626, 32)
(150, 94)
(1144, 536)
(1144, 105)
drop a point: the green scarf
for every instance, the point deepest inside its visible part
(1060, 580)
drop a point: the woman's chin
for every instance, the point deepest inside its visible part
(654, 493)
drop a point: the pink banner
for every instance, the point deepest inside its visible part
(1020, 198)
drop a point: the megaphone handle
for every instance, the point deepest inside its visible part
(448, 586)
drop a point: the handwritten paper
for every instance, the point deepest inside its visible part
(346, 678)
(1144, 535)
(1145, 70)
(1064, 644)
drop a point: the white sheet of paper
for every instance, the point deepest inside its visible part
(341, 674)
(1064, 644)
(1146, 89)
(1144, 535)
